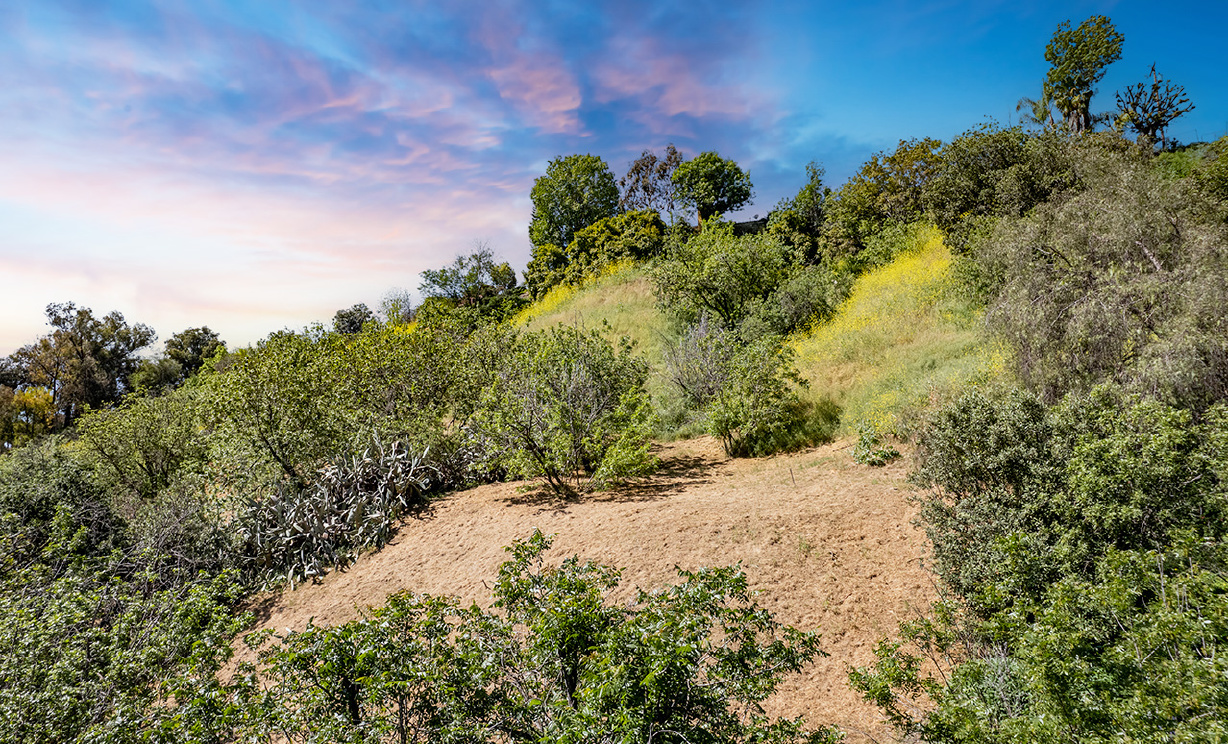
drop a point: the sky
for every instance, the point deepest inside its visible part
(254, 166)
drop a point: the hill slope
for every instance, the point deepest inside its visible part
(828, 543)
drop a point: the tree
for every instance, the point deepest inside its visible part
(351, 320)
(799, 221)
(475, 281)
(649, 183)
(84, 361)
(721, 275)
(1038, 111)
(575, 192)
(888, 188)
(712, 185)
(1078, 58)
(1148, 110)
(192, 347)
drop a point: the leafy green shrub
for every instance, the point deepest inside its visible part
(52, 509)
(1132, 653)
(567, 406)
(296, 534)
(887, 189)
(630, 236)
(634, 236)
(94, 656)
(145, 444)
(276, 410)
(1086, 546)
(717, 273)
(1212, 175)
(992, 172)
(871, 448)
(564, 662)
(745, 393)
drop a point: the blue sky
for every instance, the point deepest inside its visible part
(252, 166)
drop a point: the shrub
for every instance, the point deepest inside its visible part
(629, 236)
(567, 406)
(871, 448)
(297, 534)
(994, 172)
(96, 657)
(562, 662)
(1122, 283)
(145, 444)
(719, 274)
(756, 411)
(887, 189)
(52, 509)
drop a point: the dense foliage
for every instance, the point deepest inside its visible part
(561, 662)
(1075, 500)
(567, 406)
(711, 185)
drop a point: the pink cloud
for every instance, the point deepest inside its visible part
(533, 78)
(666, 84)
(542, 90)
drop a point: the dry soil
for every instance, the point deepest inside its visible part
(827, 543)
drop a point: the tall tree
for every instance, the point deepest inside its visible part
(1149, 109)
(648, 183)
(84, 361)
(1078, 58)
(575, 192)
(478, 281)
(192, 347)
(712, 185)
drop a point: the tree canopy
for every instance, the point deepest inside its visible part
(1078, 58)
(84, 361)
(649, 184)
(712, 185)
(575, 192)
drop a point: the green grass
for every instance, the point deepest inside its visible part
(905, 339)
(623, 297)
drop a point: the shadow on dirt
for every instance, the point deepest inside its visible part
(675, 474)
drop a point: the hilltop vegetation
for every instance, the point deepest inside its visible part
(1040, 311)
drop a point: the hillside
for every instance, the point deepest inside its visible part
(827, 542)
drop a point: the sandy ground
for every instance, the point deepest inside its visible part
(828, 543)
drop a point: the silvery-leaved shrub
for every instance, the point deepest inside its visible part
(297, 534)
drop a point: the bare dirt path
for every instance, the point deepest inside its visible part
(828, 543)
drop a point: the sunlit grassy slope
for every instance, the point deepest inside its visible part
(623, 297)
(906, 337)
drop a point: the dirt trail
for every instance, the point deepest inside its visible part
(828, 544)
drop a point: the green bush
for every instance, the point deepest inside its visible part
(872, 449)
(717, 273)
(630, 236)
(1085, 545)
(562, 661)
(52, 509)
(1123, 282)
(567, 406)
(144, 445)
(93, 656)
(989, 172)
(887, 189)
